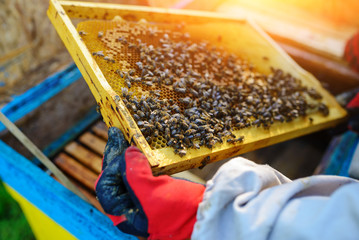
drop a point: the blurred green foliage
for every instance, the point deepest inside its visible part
(13, 224)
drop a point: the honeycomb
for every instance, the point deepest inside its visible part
(100, 35)
(113, 46)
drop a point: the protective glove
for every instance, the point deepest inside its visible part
(139, 203)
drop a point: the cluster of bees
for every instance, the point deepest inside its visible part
(192, 128)
(214, 93)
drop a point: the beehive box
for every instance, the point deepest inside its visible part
(237, 36)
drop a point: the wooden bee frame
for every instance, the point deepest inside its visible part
(240, 35)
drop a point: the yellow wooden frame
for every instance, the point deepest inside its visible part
(116, 114)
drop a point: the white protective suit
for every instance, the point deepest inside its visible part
(249, 201)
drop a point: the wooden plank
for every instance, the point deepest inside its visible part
(90, 195)
(299, 27)
(76, 170)
(75, 215)
(34, 216)
(100, 129)
(34, 97)
(83, 155)
(30, 146)
(337, 74)
(107, 11)
(16, 52)
(76, 130)
(93, 142)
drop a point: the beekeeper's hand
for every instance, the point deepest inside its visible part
(139, 203)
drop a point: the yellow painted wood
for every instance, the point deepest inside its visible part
(111, 106)
(43, 227)
(238, 36)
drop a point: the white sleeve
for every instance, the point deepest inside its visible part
(249, 201)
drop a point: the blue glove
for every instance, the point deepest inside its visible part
(139, 203)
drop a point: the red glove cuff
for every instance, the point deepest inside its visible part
(169, 204)
(354, 103)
